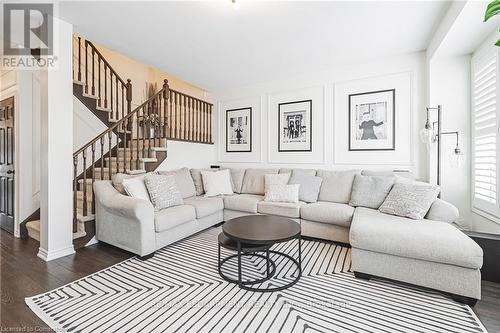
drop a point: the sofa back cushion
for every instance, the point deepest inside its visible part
(237, 175)
(337, 185)
(253, 181)
(398, 173)
(370, 191)
(184, 181)
(309, 185)
(217, 183)
(136, 188)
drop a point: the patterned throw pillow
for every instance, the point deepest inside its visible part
(163, 191)
(412, 200)
(282, 193)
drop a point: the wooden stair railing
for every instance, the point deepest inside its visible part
(100, 81)
(135, 141)
(127, 146)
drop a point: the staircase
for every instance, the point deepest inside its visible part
(135, 141)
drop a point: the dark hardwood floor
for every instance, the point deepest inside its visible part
(24, 274)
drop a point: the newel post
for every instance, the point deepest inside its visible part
(166, 89)
(129, 96)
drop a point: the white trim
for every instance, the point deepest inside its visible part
(54, 254)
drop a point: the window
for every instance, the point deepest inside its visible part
(485, 131)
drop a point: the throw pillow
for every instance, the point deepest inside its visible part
(282, 193)
(370, 191)
(337, 185)
(184, 181)
(410, 200)
(309, 186)
(117, 180)
(275, 179)
(163, 191)
(217, 182)
(136, 188)
(253, 181)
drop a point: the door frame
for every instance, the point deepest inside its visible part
(13, 92)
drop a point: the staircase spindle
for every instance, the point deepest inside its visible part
(123, 104)
(93, 75)
(109, 154)
(79, 59)
(111, 95)
(129, 96)
(84, 183)
(137, 125)
(99, 81)
(198, 121)
(124, 145)
(102, 158)
(75, 192)
(93, 177)
(203, 123)
(166, 117)
(117, 150)
(105, 86)
(170, 123)
(86, 71)
(210, 125)
(185, 116)
(116, 97)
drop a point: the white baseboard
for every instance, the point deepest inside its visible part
(51, 255)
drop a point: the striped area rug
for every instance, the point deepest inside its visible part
(180, 290)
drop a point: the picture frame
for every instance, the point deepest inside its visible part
(295, 126)
(372, 117)
(239, 130)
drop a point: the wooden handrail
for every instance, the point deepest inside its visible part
(105, 61)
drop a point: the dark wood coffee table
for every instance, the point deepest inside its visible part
(248, 235)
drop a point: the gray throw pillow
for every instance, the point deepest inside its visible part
(117, 180)
(370, 191)
(184, 181)
(309, 185)
(410, 200)
(163, 191)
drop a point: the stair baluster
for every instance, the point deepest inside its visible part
(93, 176)
(84, 182)
(93, 72)
(86, 71)
(79, 59)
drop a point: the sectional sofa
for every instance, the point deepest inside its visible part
(431, 253)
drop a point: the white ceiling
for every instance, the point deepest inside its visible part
(214, 46)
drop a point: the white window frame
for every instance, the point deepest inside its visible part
(486, 209)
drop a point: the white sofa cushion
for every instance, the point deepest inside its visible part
(337, 185)
(184, 181)
(328, 212)
(172, 217)
(217, 183)
(309, 185)
(287, 209)
(427, 240)
(275, 179)
(282, 193)
(136, 188)
(253, 182)
(370, 191)
(242, 202)
(205, 206)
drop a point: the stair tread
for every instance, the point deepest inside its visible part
(81, 83)
(90, 96)
(100, 108)
(34, 227)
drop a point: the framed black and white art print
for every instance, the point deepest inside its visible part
(295, 126)
(371, 120)
(239, 130)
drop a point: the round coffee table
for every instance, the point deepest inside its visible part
(248, 235)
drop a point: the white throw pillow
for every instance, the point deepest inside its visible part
(283, 193)
(275, 179)
(136, 188)
(217, 183)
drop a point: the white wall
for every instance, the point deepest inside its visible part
(406, 72)
(188, 154)
(450, 87)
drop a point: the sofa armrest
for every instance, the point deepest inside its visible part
(443, 211)
(124, 221)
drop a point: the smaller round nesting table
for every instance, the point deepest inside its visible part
(253, 236)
